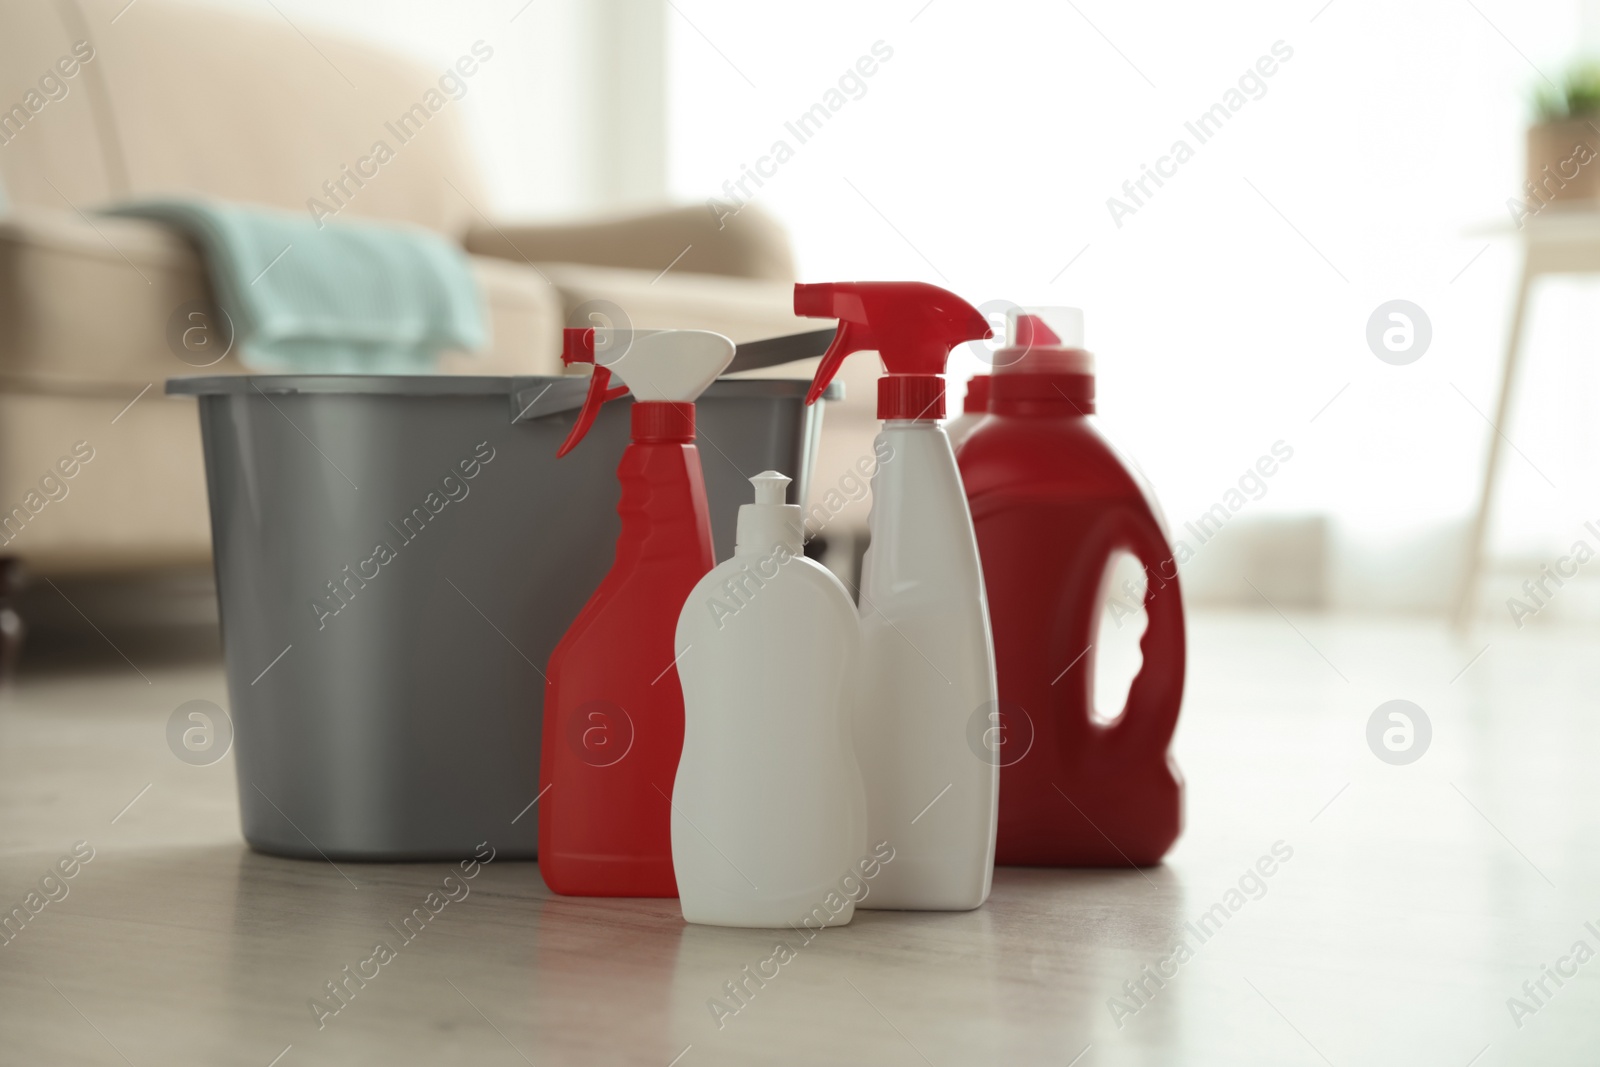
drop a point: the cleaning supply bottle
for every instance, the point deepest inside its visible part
(768, 811)
(973, 408)
(1052, 503)
(927, 671)
(613, 710)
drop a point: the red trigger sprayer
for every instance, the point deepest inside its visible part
(612, 689)
(911, 325)
(577, 346)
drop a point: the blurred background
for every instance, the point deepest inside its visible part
(1300, 231)
(995, 149)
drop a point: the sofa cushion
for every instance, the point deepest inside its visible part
(688, 240)
(94, 305)
(742, 308)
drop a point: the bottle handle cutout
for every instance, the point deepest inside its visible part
(1149, 715)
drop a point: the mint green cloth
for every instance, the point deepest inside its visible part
(339, 298)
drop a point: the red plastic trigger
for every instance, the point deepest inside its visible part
(850, 337)
(598, 394)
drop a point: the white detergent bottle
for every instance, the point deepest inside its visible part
(927, 679)
(768, 810)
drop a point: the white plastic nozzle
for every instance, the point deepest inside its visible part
(771, 487)
(672, 365)
(769, 523)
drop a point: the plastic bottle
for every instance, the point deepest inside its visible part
(973, 408)
(613, 710)
(927, 670)
(768, 812)
(1052, 502)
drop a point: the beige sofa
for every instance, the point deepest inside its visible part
(102, 100)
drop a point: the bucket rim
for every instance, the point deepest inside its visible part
(419, 385)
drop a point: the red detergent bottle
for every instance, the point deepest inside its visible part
(973, 409)
(613, 708)
(1051, 502)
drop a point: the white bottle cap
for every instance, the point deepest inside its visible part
(769, 523)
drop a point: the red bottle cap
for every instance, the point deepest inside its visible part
(911, 325)
(662, 421)
(1043, 341)
(1043, 361)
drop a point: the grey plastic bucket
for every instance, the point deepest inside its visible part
(396, 558)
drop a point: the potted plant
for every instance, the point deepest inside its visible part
(1564, 141)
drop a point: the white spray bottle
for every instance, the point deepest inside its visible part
(927, 690)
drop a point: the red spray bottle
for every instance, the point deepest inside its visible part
(1051, 502)
(613, 708)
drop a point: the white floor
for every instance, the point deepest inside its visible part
(1417, 900)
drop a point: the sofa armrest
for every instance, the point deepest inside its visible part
(750, 244)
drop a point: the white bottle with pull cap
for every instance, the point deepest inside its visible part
(768, 809)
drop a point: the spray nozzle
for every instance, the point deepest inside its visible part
(577, 346)
(671, 366)
(911, 325)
